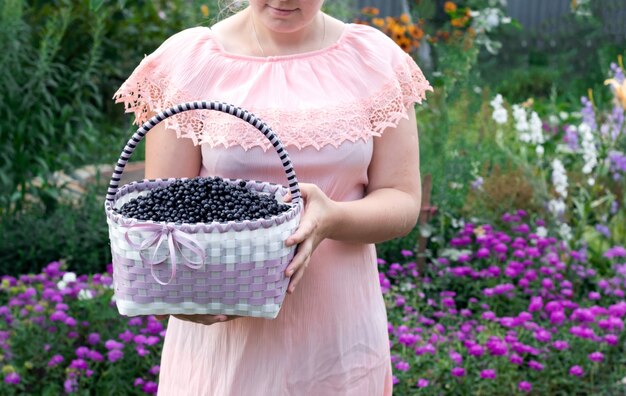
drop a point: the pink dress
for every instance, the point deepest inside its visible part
(330, 337)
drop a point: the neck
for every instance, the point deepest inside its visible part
(309, 38)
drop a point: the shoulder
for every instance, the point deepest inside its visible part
(185, 41)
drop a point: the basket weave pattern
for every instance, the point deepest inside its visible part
(233, 268)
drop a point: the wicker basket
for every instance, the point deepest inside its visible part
(233, 268)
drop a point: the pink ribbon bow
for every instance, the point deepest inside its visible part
(175, 239)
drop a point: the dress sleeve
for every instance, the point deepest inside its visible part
(403, 83)
(160, 78)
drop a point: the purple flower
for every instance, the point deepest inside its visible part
(594, 296)
(154, 370)
(524, 386)
(114, 355)
(535, 365)
(55, 361)
(126, 336)
(402, 366)
(82, 351)
(58, 316)
(576, 371)
(12, 378)
(112, 344)
(476, 350)
(596, 356)
(79, 364)
(95, 356)
(93, 338)
(611, 339)
(150, 387)
(70, 385)
(542, 335)
(557, 317)
(560, 345)
(138, 382)
(615, 251)
(422, 383)
(516, 359)
(536, 304)
(458, 372)
(456, 357)
(488, 374)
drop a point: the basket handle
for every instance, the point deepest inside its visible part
(204, 105)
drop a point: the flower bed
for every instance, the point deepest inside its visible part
(506, 312)
(60, 334)
(500, 311)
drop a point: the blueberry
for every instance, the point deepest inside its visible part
(202, 200)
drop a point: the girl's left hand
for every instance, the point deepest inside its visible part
(315, 224)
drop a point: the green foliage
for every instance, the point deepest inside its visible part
(570, 59)
(62, 61)
(78, 234)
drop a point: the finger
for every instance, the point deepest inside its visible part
(202, 319)
(303, 232)
(302, 255)
(287, 197)
(295, 279)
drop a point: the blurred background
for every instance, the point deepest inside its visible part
(523, 161)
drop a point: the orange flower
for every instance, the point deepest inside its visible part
(370, 11)
(416, 32)
(405, 44)
(449, 7)
(457, 22)
(205, 10)
(378, 22)
(404, 18)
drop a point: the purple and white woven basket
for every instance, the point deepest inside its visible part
(233, 268)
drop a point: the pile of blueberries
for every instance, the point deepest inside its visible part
(203, 200)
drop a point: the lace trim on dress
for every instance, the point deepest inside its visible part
(299, 128)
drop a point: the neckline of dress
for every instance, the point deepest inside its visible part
(275, 58)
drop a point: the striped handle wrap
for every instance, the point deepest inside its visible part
(204, 105)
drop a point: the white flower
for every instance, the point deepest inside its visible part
(85, 294)
(588, 148)
(69, 277)
(559, 178)
(536, 129)
(521, 121)
(539, 150)
(591, 181)
(565, 232)
(542, 232)
(500, 114)
(563, 115)
(556, 206)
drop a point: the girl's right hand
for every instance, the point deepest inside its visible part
(206, 320)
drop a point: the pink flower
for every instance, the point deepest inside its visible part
(536, 304)
(458, 372)
(535, 365)
(576, 371)
(524, 386)
(596, 356)
(422, 383)
(542, 335)
(488, 374)
(560, 345)
(55, 361)
(114, 355)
